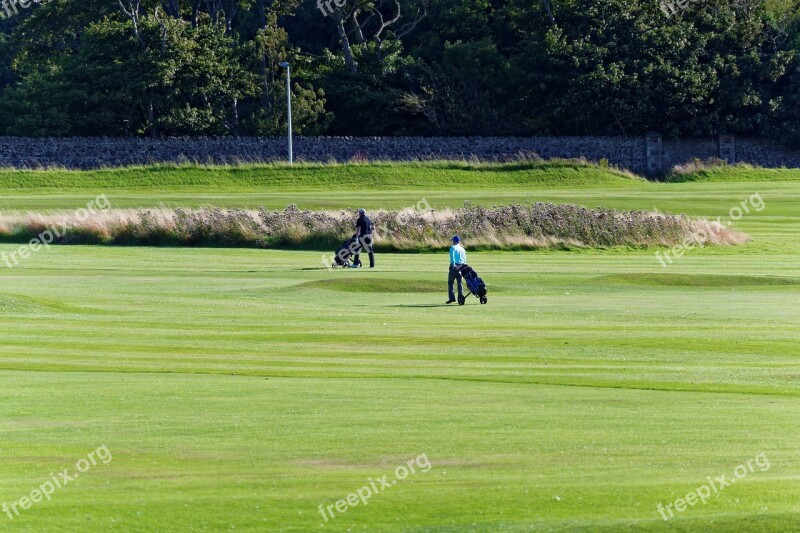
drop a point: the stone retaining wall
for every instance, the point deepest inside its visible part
(628, 152)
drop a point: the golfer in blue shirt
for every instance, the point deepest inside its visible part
(458, 257)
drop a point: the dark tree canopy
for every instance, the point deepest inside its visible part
(401, 67)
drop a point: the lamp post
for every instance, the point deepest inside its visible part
(285, 64)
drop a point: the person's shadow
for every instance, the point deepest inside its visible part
(424, 305)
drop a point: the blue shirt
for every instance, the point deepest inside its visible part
(458, 255)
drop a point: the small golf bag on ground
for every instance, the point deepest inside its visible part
(346, 252)
(475, 285)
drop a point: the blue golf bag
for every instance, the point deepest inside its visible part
(475, 284)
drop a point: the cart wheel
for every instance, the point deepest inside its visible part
(484, 299)
(461, 300)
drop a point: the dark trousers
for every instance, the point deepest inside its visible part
(455, 275)
(365, 243)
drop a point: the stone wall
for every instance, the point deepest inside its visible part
(677, 151)
(766, 154)
(627, 152)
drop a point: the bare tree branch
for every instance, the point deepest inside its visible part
(163, 30)
(549, 10)
(132, 12)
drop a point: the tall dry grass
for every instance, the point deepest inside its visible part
(537, 226)
(698, 165)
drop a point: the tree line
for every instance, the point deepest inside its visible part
(400, 67)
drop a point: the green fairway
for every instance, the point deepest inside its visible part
(242, 389)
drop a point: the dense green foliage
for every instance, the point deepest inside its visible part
(491, 67)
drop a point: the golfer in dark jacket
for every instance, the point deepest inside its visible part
(364, 228)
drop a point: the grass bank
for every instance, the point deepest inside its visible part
(317, 176)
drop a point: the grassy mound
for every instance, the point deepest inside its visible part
(305, 177)
(377, 285)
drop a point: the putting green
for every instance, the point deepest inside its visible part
(245, 388)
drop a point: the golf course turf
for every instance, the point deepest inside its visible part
(243, 389)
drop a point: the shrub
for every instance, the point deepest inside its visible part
(541, 225)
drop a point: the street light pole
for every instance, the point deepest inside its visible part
(285, 64)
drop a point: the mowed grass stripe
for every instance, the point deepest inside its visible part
(183, 442)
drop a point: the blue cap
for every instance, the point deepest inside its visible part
(456, 239)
